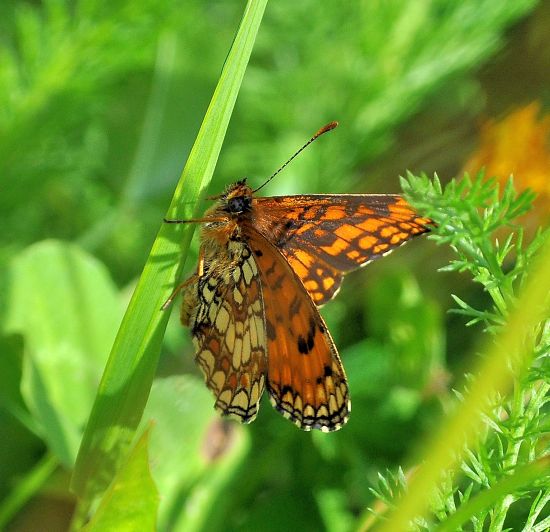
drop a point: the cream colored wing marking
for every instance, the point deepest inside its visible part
(229, 334)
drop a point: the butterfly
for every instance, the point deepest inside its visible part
(265, 266)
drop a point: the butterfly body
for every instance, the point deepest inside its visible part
(265, 266)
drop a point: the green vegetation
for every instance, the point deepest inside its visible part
(495, 441)
(105, 418)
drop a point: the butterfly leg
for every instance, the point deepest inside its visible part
(180, 288)
(188, 287)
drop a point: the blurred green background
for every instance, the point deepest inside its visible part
(99, 105)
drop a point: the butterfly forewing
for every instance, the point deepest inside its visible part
(306, 380)
(228, 331)
(325, 236)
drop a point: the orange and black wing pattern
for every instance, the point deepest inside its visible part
(325, 236)
(305, 378)
(227, 325)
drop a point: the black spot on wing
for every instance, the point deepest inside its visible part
(303, 345)
(269, 329)
(286, 388)
(310, 341)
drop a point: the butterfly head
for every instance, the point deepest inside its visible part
(237, 199)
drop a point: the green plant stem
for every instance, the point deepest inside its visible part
(498, 278)
(27, 488)
(500, 512)
(498, 300)
(520, 420)
(538, 507)
(523, 476)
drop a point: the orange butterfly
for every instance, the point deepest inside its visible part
(265, 265)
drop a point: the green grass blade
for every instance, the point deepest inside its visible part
(127, 379)
(26, 489)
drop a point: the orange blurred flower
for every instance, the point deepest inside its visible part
(518, 145)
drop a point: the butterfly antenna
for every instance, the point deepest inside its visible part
(322, 131)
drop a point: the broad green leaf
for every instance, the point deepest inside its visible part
(189, 441)
(131, 501)
(65, 306)
(206, 503)
(334, 509)
(127, 379)
(180, 409)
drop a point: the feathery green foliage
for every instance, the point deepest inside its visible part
(501, 461)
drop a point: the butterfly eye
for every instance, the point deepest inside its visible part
(238, 204)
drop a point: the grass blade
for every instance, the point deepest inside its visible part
(127, 379)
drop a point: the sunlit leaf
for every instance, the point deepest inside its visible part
(181, 412)
(64, 304)
(131, 501)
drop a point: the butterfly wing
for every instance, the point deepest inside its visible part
(228, 332)
(325, 236)
(306, 380)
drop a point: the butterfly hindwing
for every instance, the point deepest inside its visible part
(306, 380)
(227, 325)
